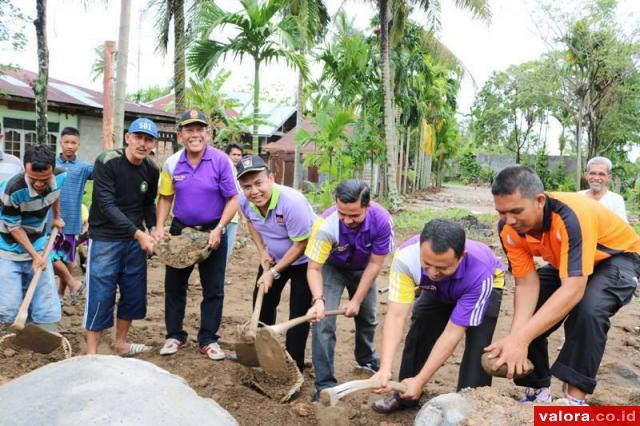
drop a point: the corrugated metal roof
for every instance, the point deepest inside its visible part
(17, 83)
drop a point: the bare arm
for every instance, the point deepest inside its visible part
(265, 259)
(391, 336)
(525, 299)
(295, 251)
(314, 278)
(21, 237)
(162, 213)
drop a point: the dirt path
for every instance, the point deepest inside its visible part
(222, 380)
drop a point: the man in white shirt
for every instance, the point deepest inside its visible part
(598, 176)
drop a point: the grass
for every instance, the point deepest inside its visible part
(415, 219)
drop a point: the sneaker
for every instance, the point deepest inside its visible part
(213, 351)
(171, 346)
(387, 405)
(536, 396)
(368, 368)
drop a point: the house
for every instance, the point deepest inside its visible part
(276, 118)
(68, 105)
(281, 152)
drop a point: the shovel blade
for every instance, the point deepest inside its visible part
(246, 353)
(37, 339)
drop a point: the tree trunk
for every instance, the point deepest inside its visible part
(42, 82)
(416, 164)
(123, 59)
(407, 148)
(298, 168)
(389, 119)
(256, 106)
(179, 69)
(107, 96)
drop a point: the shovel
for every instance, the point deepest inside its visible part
(279, 378)
(331, 396)
(245, 345)
(30, 336)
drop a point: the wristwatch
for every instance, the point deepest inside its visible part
(276, 274)
(222, 228)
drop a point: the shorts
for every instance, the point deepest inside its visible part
(64, 248)
(16, 276)
(115, 265)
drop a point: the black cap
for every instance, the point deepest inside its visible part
(192, 116)
(250, 163)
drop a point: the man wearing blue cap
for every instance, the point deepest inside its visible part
(124, 191)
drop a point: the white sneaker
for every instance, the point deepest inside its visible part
(213, 351)
(171, 346)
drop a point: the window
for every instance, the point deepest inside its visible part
(20, 135)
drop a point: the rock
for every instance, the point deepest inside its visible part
(448, 409)
(106, 390)
(186, 249)
(68, 310)
(302, 409)
(9, 353)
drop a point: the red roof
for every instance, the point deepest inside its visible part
(287, 142)
(17, 82)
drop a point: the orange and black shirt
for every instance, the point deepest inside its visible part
(578, 232)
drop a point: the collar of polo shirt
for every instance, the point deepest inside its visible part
(206, 155)
(275, 196)
(64, 160)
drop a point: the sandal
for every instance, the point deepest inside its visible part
(136, 349)
(75, 296)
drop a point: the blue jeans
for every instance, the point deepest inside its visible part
(232, 230)
(323, 342)
(114, 264)
(15, 277)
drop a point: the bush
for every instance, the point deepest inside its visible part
(470, 169)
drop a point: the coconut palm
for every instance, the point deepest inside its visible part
(261, 34)
(41, 84)
(311, 18)
(399, 9)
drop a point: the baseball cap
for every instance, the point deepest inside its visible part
(192, 116)
(250, 163)
(144, 125)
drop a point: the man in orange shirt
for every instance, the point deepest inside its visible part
(593, 268)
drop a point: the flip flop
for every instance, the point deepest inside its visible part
(75, 296)
(136, 349)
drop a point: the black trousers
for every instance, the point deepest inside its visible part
(610, 287)
(176, 281)
(429, 320)
(299, 303)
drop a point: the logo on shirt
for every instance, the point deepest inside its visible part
(429, 287)
(280, 219)
(144, 186)
(179, 178)
(342, 248)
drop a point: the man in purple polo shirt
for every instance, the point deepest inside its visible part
(461, 288)
(199, 181)
(280, 221)
(347, 248)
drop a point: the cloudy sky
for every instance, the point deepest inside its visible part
(74, 32)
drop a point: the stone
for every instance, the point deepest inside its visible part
(302, 409)
(448, 409)
(106, 390)
(186, 249)
(9, 353)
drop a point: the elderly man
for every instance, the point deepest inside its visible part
(124, 193)
(598, 176)
(26, 201)
(347, 248)
(280, 221)
(592, 271)
(199, 181)
(461, 289)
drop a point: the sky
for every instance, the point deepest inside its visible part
(75, 31)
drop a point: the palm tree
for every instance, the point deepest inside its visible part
(260, 35)
(312, 18)
(41, 84)
(121, 75)
(400, 9)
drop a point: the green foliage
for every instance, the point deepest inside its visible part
(148, 94)
(12, 24)
(469, 167)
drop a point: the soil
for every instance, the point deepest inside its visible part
(225, 381)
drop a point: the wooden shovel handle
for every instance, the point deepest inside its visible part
(255, 316)
(284, 326)
(21, 318)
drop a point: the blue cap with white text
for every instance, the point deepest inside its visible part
(144, 125)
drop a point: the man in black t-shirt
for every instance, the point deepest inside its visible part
(124, 191)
